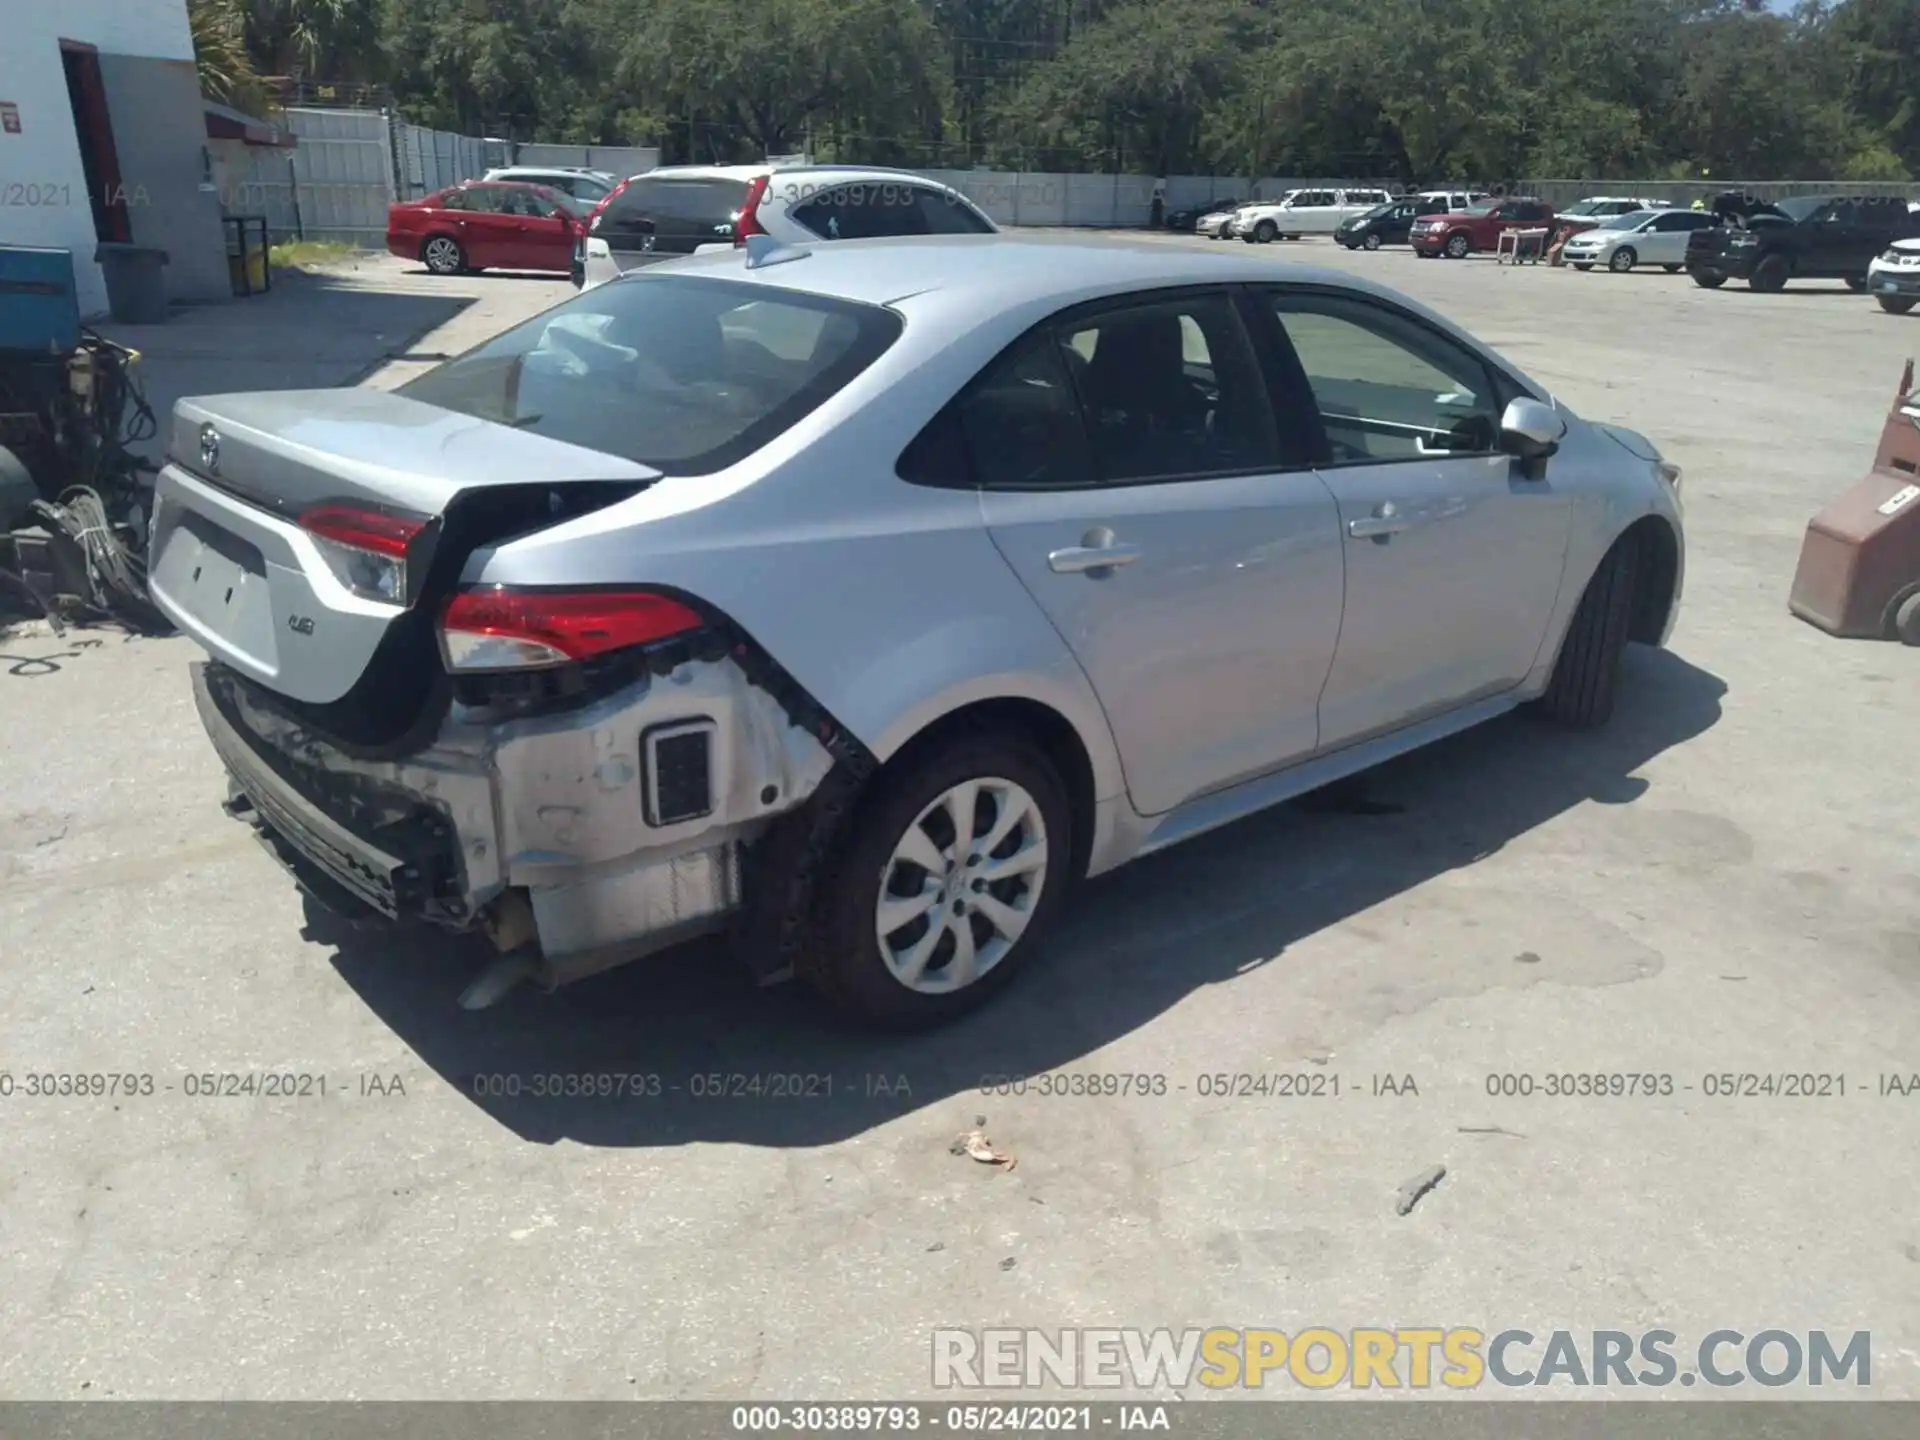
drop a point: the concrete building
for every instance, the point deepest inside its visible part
(103, 136)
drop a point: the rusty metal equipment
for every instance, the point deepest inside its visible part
(1859, 572)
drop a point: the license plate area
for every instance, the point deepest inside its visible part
(220, 581)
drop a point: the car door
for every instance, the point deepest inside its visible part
(488, 230)
(1453, 558)
(1664, 239)
(1316, 213)
(547, 241)
(1131, 474)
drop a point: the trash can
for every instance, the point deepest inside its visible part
(136, 290)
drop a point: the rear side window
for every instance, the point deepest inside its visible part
(1021, 422)
(684, 374)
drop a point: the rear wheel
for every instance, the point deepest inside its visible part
(1709, 279)
(1623, 260)
(1770, 275)
(951, 869)
(1896, 304)
(443, 256)
(1265, 232)
(1458, 247)
(1906, 620)
(1856, 283)
(1372, 242)
(1673, 269)
(1587, 673)
(1583, 264)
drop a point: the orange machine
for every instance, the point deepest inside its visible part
(1859, 572)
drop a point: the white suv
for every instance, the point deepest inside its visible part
(592, 186)
(1304, 212)
(679, 209)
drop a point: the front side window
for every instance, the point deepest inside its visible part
(685, 374)
(1171, 390)
(1387, 387)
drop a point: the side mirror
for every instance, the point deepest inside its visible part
(1531, 431)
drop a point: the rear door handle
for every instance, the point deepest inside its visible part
(1078, 559)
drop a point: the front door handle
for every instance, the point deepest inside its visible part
(1082, 559)
(1387, 520)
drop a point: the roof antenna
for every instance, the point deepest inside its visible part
(765, 250)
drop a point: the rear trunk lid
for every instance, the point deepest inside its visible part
(231, 566)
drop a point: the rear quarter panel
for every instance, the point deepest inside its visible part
(887, 601)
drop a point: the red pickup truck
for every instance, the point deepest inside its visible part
(1479, 227)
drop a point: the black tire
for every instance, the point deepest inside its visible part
(1896, 304)
(1770, 275)
(1857, 283)
(1458, 246)
(1587, 673)
(1372, 242)
(1673, 269)
(444, 255)
(1906, 620)
(1709, 279)
(1265, 232)
(1583, 264)
(1623, 260)
(846, 963)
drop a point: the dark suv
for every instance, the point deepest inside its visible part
(1808, 237)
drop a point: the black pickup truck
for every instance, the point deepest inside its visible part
(1808, 237)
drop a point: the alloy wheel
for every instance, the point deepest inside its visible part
(961, 885)
(442, 255)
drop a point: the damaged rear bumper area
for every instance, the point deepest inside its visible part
(577, 841)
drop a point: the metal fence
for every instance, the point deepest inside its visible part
(621, 160)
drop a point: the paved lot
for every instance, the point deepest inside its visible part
(1725, 880)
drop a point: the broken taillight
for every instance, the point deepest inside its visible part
(365, 549)
(747, 222)
(498, 627)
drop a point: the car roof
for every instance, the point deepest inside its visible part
(1002, 271)
(751, 172)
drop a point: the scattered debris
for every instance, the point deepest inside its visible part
(1526, 957)
(1488, 1130)
(937, 1245)
(976, 1144)
(1733, 977)
(1412, 1192)
(1008, 1263)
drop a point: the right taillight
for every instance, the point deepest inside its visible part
(498, 627)
(747, 222)
(593, 217)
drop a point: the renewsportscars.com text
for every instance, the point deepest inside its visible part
(1396, 1358)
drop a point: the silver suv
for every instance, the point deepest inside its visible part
(680, 209)
(862, 598)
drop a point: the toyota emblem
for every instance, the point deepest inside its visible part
(210, 449)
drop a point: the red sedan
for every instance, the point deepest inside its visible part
(489, 225)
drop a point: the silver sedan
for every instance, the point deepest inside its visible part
(860, 599)
(1640, 237)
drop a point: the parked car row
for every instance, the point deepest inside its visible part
(1872, 243)
(594, 227)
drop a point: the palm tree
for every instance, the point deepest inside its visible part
(227, 74)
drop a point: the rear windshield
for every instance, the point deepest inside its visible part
(1800, 206)
(696, 201)
(685, 374)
